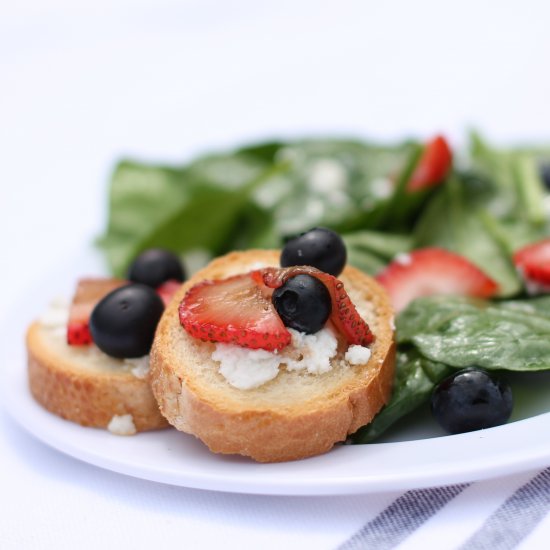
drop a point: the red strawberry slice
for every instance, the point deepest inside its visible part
(235, 310)
(533, 261)
(87, 295)
(167, 289)
(429, 271)
(435, 162)
(78, 333)
(344, 315)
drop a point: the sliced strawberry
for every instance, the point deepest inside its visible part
(344, 315)
(533, 261)
(167, 289)
(235, 310)
(78, 333)
(429, 271)
(435, 162)
(87, 295)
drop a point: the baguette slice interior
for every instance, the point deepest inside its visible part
(293, 416)
(82, 384)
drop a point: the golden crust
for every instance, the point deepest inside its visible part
(87, 396)
(248, 427)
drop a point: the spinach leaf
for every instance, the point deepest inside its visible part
(397, 211)
(181, 209)
(335, 183)
(462, 332)
(140, 198)
(519, 195)
(205, 203)
(370, 251)
(415, 379)
(456, 219)
(437, 335)
(253, 228)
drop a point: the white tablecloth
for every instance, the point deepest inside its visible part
(85, 83)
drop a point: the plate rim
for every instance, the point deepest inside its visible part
(250, 477)
(41, 424)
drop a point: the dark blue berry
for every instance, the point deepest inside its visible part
(123, 323)
(471, 399)
(303, 303)
(318, 247)
(544, 170)
(156, 266)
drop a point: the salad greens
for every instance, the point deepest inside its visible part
(493, 202)
(512, 335)
(437, 334)
(254, 197)
(415, 379)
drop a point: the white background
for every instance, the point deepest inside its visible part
(84, 83)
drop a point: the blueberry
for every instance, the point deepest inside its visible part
(471, 399)
(544, 170)
(123, 323)
(303, 303)
(318, 247)
(156, 266)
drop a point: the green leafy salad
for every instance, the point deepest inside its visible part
(489, 206)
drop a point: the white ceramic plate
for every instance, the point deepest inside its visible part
(415, 456)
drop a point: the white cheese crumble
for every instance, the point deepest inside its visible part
(246, 369)
(327, 175)
(313, 351)
(403, 259)
(56, 315)
(357, 355)
(381, 187)
(139, 366)
(122, 425)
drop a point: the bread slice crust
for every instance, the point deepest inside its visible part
(70, 388)
(325, 409)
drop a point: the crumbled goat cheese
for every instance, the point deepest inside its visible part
(139, 366)
(357, 355)
(403, 259)
(122, 425)
(246, 369)
(57, 314)
(381, 187)
(327, 175)
(313, 351)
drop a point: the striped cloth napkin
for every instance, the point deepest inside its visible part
(426, 518)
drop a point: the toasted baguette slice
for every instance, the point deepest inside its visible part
(82, 384)
(293, 416)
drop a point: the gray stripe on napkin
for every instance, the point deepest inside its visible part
(515, 518)
(401, 518)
